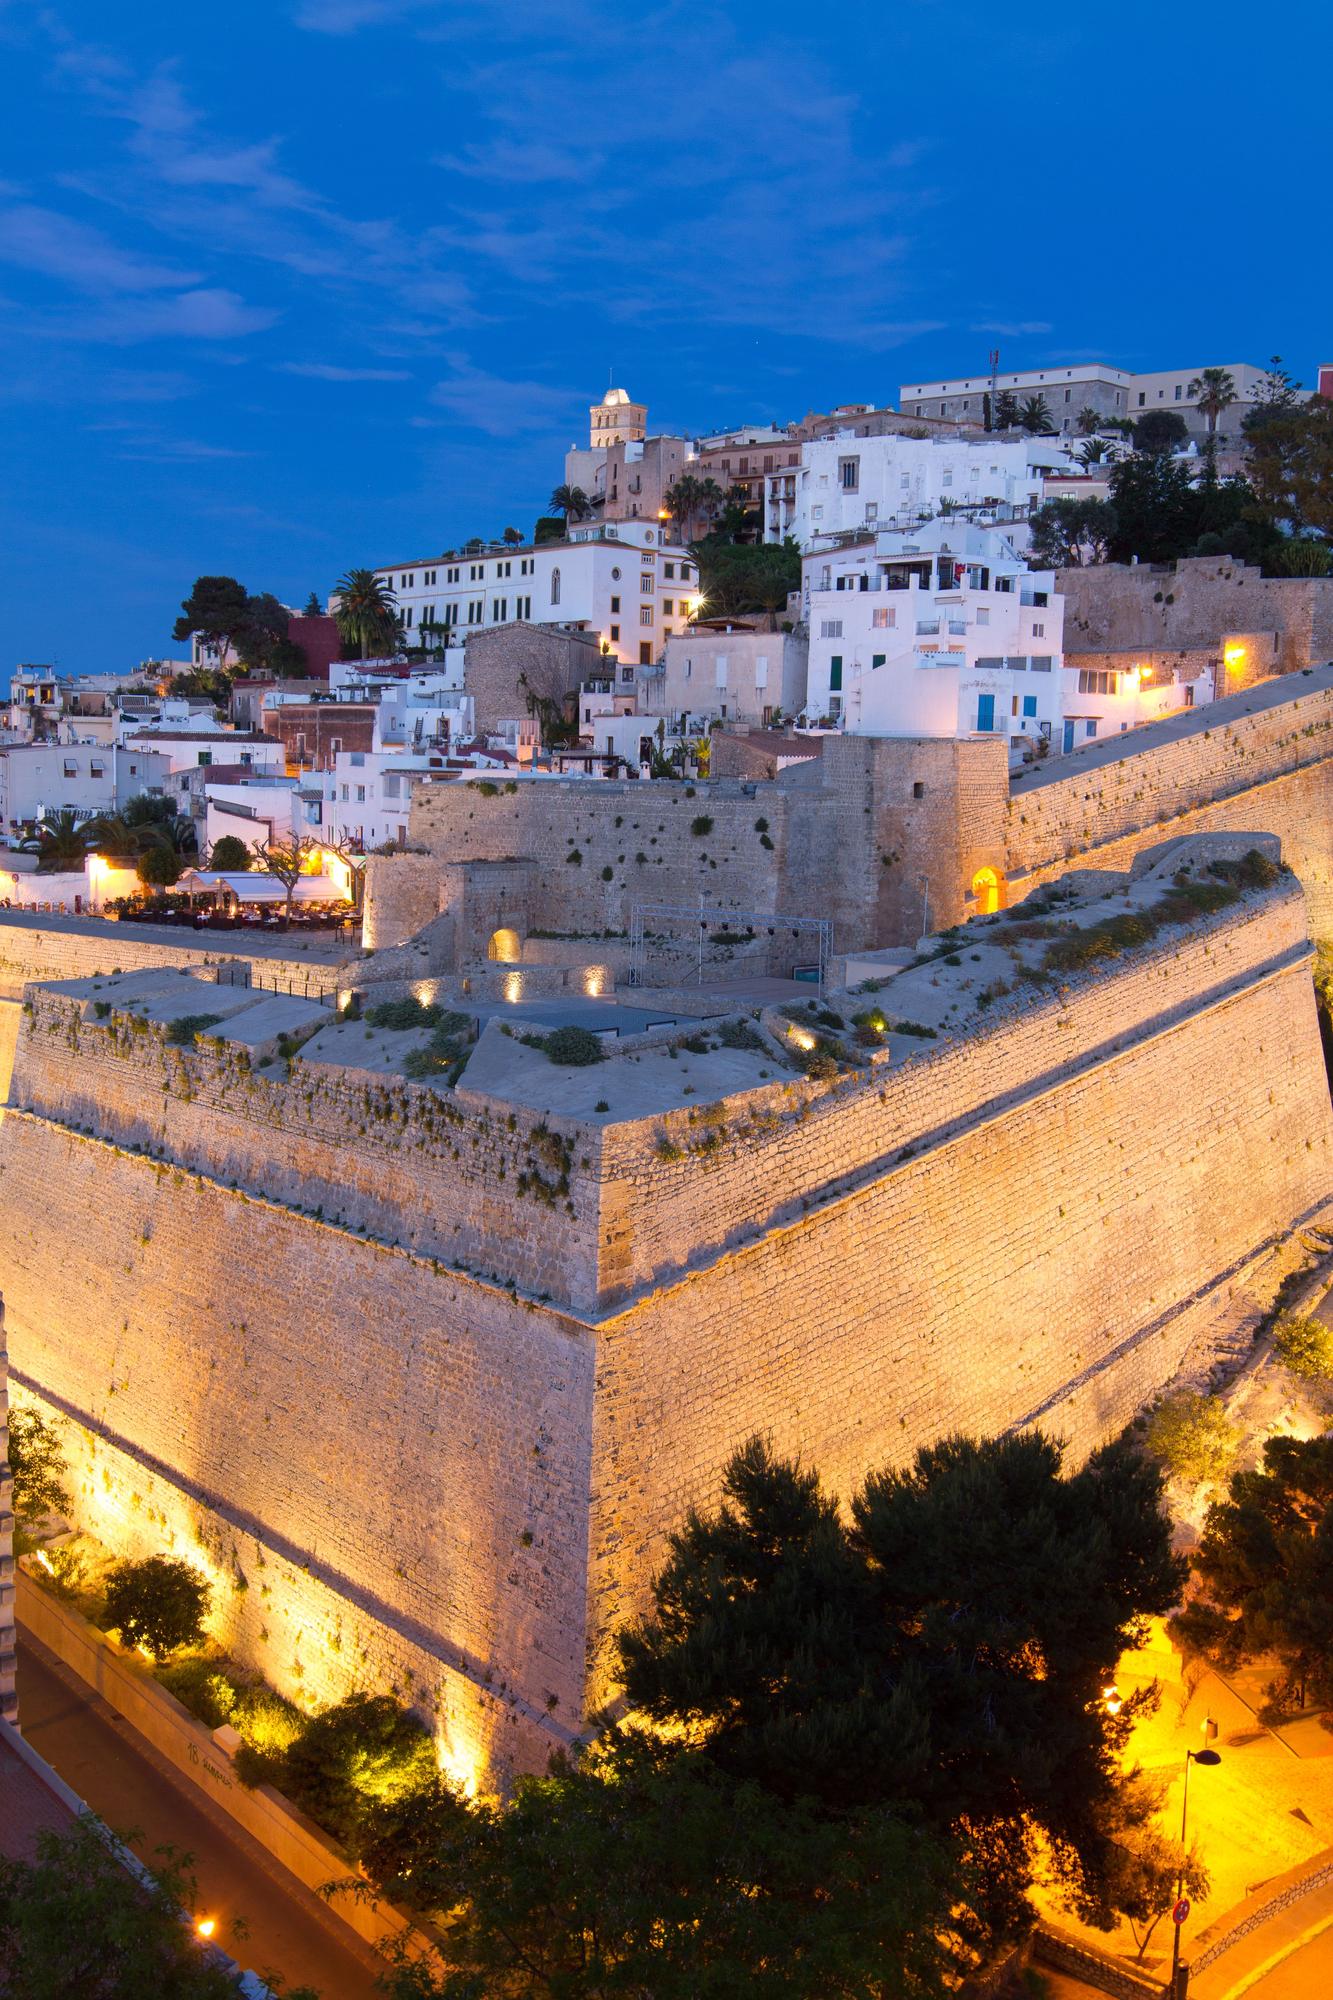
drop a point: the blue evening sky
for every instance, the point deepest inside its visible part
(292, 285)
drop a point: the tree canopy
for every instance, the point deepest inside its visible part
(1066, 534)
(255, 628)
(1160, 431)
(1263, 1571)
(847, 1733)
(739, 578)
(366, 613)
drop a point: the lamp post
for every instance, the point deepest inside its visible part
(1207, 1756)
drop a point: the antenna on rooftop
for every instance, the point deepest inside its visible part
(994, 374)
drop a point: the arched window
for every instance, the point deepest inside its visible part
(555, 586)
(988, 889)
(504, 947)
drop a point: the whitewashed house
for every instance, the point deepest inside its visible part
(727, 673)
(946, 632)
(850, 485)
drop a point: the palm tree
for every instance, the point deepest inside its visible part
(572, 502)
(1092, 451)
(1214, 390)
(1089, 423)
(683, 502)
(64, 842)
(366, 611)
(1034, 414)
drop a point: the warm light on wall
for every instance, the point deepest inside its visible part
(459, 1766)
(426, 991)
(594, 981)
(1233, 655)
(513, 987)
(802, 1037)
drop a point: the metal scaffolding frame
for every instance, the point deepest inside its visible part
(706, 917)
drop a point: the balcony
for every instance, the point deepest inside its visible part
(927, 627)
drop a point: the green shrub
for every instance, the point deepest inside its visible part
(268, 1726)
(761, 826)
(159, 1602)
(186, 1027)
(158, 867)
(201, 1687)
(1305, 1346)
(363, 1751)
(765, 840)
(819, 1062)
(487, 789)
(37, 1460)
(1193, 1437)
(574, 858)
(608, 873)
(701, 825)
(573, 1045)
(741, 1035)
(408, 1013)
(913, 1028)
(230, 856)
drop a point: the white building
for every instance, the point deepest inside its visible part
(946, 632)
(37, 779)
(725, 673)
(626, 581)
(183, 749)
(1068, 391)
(846, 484)
(368, 793)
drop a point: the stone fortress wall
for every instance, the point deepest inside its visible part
(1283, 623)
(1260, 761)
(405, 1473)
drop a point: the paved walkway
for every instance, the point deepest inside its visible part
(131, 1787)
(255, 941)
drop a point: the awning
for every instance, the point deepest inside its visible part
(258, 887)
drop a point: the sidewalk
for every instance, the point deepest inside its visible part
(125, 1781)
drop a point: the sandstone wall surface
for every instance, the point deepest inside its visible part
(1050, 1264)
(383, 1466)
(52, 951)
(1196, 603)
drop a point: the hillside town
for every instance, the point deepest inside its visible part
(666, 1050)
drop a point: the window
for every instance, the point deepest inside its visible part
(476, 572)
(499, 610)
(361, 795)
(645, 614)
(527, 566)
(946, 477)
(761, 670)
(522, 607)
(830, 628)
(1038, 631)
(668, 569)
(689, 670)
(835, 672)
(1178, 392)
(615, 634)
(96, 770)
(645, 653)
(1090, 726)
(407, 616)
(884, 617)
(816, 513)
(849, 474)
(1069, 395)
(1030, 704)
(1142, 398)
(983, 614)
(720, 669)
(668, 607)
(555, 585)
(918, 790)
(451, 575)
(1093, 681)
(877, 660)
(474, 611)
(346, 793)
(646, 584)
(872, 510)
(358, 759)
(685, 572)
(72, 769)
(615, 604)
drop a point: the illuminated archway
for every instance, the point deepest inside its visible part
(988, 891)
(504, 947)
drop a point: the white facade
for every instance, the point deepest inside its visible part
(626, 581)
(254, 811)
(368, 793)
(846, 484)
(184, 749)
(728, 674)
(37, 779)
(945, 632)
(1111, 392)
(1169, 389)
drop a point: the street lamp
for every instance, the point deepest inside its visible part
(1208, 1757)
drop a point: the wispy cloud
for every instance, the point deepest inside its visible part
(208, 314)
(1012, 329)
(326, 371)
(491, 403)
(57, 246)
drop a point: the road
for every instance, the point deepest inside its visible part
(1305, 1974)
(129, 1785)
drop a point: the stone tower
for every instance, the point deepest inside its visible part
(615, 420)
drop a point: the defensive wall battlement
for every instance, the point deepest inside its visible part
(404, 1466)
(33, 946)
(1259, 761)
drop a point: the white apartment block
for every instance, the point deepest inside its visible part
(722, 673)
(946, 633)
(1110, 392)
(625, 581)
(86, 779)
(847, 485)
(1068, 391)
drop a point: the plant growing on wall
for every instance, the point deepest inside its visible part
(159, 1602)
(1305, 1346)
(1192, 1436)
(37, 1461)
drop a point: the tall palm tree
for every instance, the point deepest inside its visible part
(64, 842)
(1034, 414)
(1214, 390)
(366, 611)
(684, 501)
(572, 502)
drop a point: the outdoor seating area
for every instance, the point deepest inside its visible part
(201, 913)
